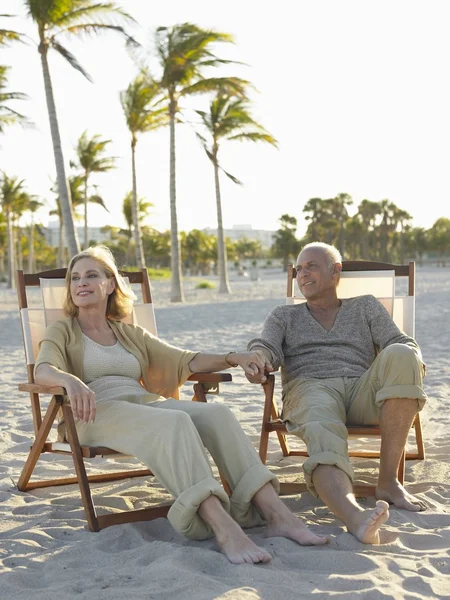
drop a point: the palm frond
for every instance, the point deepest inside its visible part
(70, 59)
(232, 85)
(254, 136)
(91, 11)
(232, 177)
(89, 29)
(96, 199)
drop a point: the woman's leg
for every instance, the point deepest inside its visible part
(168, 443)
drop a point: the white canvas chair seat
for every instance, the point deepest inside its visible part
(357, 278)
(34, 322)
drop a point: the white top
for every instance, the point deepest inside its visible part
(111, 371)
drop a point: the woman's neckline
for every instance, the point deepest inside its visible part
(98, 344)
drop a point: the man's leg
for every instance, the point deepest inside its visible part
(315, 411)
(396, 418)
(336, 491)
(391, 394)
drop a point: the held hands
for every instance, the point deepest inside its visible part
(82, 400)
(254, 364)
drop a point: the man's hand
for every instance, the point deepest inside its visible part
(255, 365)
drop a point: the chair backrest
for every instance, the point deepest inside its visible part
(52, 286)
(361, 277)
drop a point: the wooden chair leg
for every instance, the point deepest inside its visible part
(419, 438)
(39, 442)
(80, 469)
(401, 468)
(282, 439)
(268, 388)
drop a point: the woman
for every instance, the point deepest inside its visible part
(121, 381)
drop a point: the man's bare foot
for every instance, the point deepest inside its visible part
(240, 549)
(394, 493)
(368, 522)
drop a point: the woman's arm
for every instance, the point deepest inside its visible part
(82, 399)
(253, 363)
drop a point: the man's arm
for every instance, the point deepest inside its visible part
(384, 331)
(270, 343)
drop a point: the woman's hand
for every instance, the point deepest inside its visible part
(255, 364)
(82, 399)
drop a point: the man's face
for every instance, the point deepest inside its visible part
(315, 279)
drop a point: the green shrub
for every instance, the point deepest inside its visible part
(205, 285)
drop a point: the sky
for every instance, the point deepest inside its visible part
(356, 93)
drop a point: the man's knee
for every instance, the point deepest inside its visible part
(400, 354)
(325, 436)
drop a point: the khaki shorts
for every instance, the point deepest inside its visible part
(317, 410)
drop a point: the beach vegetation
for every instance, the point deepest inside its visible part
(145, 109)
(185, 52)
(91, 159)
(228, 119)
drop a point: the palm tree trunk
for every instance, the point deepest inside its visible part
(19, 246)
(86, 232)
(138, 247)
(176, 292)
(61, 244)
(70, 231)
(31, 266)
(11, 254)
(224, 284)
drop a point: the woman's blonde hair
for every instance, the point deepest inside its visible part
(121, 299)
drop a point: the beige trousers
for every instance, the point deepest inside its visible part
(170, 437)
(317, 410)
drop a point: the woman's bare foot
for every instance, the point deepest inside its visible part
(297, 531)
(231, 539)
(394, 493)
(240, 549)
(367, 523)
(281, 522)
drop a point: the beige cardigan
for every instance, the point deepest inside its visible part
(164, 367)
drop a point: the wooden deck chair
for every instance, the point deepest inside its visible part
(357, 278)
(34, 322)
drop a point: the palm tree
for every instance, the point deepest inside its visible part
(185, 51)
(75, 185)
(145, 110)
(285, 243)
(127, 209)
(71, 17)
(368, 211)
(91, 160)
(228, 119)
(11, 194)
(33, 205)
(9, 116)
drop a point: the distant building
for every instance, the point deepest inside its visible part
(95, 234)
(239, 232)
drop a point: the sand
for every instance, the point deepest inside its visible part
(47, 552)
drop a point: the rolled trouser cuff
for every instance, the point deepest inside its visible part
(325, 458)
(183, 514)
(242, 509)
(414, 392)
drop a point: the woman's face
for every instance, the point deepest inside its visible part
(89, 285)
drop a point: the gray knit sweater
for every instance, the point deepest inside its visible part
(304, 349)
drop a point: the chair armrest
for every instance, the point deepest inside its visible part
(210, 377)
(41, 389)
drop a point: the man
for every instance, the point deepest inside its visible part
(344, 361)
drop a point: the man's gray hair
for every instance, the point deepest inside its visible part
(333, 254)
